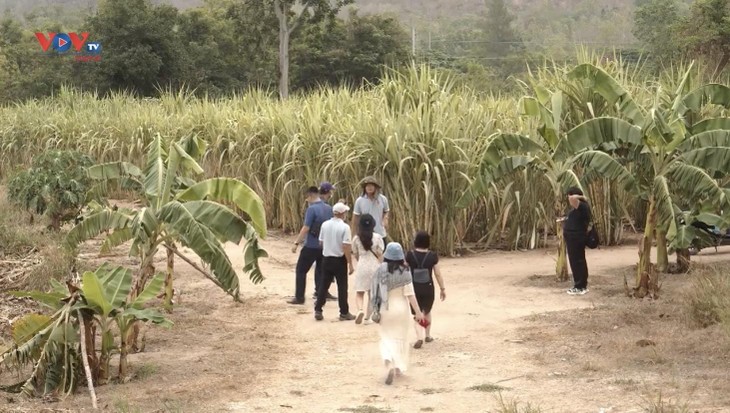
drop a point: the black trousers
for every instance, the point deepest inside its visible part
(576, 243)
(333, 269)
(307, 257)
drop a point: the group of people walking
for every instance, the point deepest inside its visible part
(398, 285)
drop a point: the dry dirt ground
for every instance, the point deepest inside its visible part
(505, 325)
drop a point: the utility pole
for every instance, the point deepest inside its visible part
(413, 40)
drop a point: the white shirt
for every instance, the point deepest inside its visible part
(333, 235)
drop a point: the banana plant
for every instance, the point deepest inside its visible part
(52, 343)
(507, 153)
(178, 210)
(683, 166)
(106, 292)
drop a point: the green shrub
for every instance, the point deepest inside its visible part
(56, 185)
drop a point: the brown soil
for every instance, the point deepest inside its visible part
(504, 325)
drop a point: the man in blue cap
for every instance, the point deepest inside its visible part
(317, 213)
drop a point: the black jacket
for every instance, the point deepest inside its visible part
(578, 219)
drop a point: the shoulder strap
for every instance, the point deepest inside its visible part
(423, 261)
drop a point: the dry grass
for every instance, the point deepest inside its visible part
(641, 346)
(708, 301)
(29, 254)
(488, 388)
(514, 406)
(660, 404)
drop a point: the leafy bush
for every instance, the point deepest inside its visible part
(56, 184)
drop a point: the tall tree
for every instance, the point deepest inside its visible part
(290, 19)
(141, 45)
(502, 38)
(655, 25)
(706, 31)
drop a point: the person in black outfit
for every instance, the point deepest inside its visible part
(575, 232)
(424, 266)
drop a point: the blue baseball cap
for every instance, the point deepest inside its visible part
(326, 187)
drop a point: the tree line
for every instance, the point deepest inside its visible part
(227, 46)
(224, 47)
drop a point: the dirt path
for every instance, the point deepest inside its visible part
(267, 356)
(334, 365)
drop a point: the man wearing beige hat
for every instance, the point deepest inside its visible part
(374, 203)
(335, 237)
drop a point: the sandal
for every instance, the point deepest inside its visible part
(418, 344)
(429, 339)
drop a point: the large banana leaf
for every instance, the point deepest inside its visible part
(695, 184)
(177, 159)
(252, 252)
(220, 219)
(116, 238)
(710, 125)
(711, 159)
(567, 178)
(116, 282)
(155, 170)
(150, 291)
(595, 132)
(711, 93)
(94, 294)
(51, 300)
(482, 182)
(28, 326)
(505, 144)
(707, 139)
(144, 227)
(148, 314)
(606, 86)
(607, 167)
(93, 225)
(230, 190)
(548, 129)
(201, 239)
(114, 170)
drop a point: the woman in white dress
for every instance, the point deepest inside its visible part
(392, 299)
(367, 247)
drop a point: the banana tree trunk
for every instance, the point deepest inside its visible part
(123, 351)
(662, 256)
(561, 266)
(107, 345)
(645, 271)
(90, 344)
(168, 280)
(147, 271)
(683, 260)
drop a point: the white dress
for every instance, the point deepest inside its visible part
(395, 324)
(367, 262)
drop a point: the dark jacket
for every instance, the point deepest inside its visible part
(578, 219)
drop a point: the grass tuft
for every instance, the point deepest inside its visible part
(708, 299)
(488, 388)
(513, 406)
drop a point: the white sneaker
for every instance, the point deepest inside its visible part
(573, 291)
(582, 291)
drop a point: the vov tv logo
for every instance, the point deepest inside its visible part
(63, 42)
